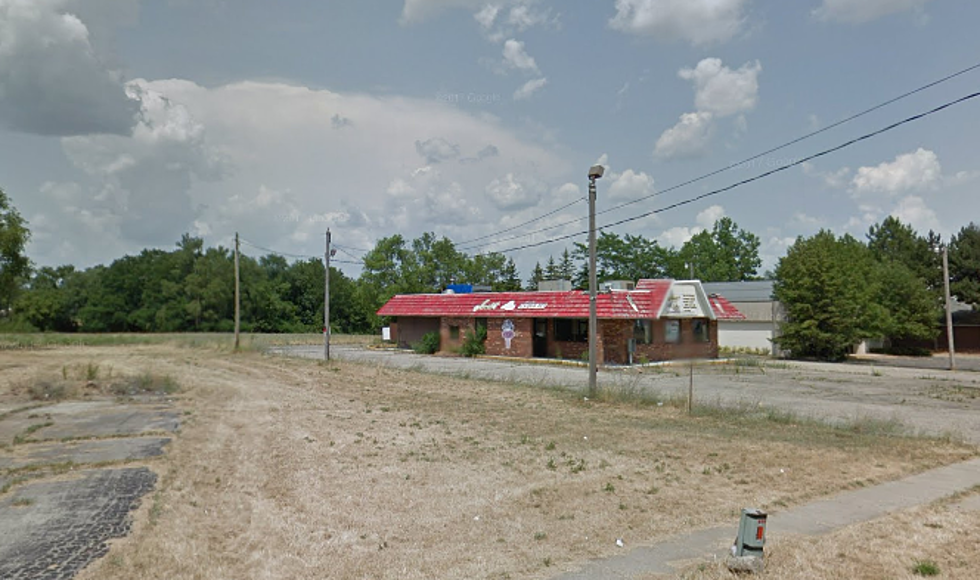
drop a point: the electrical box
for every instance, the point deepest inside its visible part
(751, 533)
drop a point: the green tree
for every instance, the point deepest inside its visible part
(537, 275)
(623, 258)
(909, 307)
(829, 287)
(566, 266)
(14, 265)
(727, 253)
(45, 304)
(551, 269)
(964, 265)
(510, 280)
(891, 240)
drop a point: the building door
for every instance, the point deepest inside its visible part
(540, 338)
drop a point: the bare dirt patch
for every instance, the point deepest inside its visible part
(298, 469)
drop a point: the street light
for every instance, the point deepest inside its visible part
(594, 173)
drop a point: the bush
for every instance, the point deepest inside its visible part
(428, 345)
(474, 343)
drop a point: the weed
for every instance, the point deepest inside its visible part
(610, 488)
(550, 446)
(22, 502)
(36, 427)
(925, 568)
(551, 464)
(540, 536)
(428, 345)
(547, 562)
(91, 372)
(45, 390)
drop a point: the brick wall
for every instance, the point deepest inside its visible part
(688, 347)
(522, 345)
(411, 330)
(465, 325)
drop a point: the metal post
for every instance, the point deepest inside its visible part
(690, 390)
(238, 296)
(326, 301)
(949, 310)
(593, 323)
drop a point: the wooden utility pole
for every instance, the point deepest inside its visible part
(949, 310)
(238, 296)
(326, 301)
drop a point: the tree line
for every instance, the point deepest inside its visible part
(837, 290)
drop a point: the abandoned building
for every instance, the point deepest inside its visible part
(654, 321)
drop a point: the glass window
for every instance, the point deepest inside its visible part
(643, 331)
(700, 328)
(571, 330)
(454, 333)
(672, 331)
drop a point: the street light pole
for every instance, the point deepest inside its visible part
(326, 301)
(949, 310)
(594, 173)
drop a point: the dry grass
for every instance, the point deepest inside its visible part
(910, 544)
(297, 469)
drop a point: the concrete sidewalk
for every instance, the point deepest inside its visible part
(816, 518)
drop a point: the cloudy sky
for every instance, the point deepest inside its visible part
(125, 123)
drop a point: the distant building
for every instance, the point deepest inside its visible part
(763, 315)
(657, 320)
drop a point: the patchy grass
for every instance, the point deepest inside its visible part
(449, 477)
(223, 341)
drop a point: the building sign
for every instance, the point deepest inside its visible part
(507, 333)
(510, 306)
(683, 301)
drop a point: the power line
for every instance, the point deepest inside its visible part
(727, 167)
(467, 243)
(757, 177)
(283, 254)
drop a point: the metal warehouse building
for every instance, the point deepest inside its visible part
(657, 320)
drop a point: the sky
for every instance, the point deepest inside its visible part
(125, 124)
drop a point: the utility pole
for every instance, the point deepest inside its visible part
(326, 301)
(238, 296)
(949, 310)
(594, 173)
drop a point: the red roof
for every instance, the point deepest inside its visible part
(646, 302)
(724, 310)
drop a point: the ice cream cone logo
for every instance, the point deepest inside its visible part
(507, 332)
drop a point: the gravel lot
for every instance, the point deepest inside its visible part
(927, 400)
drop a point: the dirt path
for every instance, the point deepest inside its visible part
(931, 401)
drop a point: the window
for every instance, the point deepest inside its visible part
(672, 331)
(571, 330)
(700, 328)
(643, 331)
(454, 333)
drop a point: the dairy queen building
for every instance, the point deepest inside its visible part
(653, 320)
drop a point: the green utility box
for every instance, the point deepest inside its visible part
(751, 533)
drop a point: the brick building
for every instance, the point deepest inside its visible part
(658, 320)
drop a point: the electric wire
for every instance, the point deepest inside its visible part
(468, 243)
(756, 177)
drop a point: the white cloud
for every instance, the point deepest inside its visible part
(835, 179)
(510, 194)
(52, 78)
(860, 11)
(688, 138)
(630, 185)
(436, 150)
(677, 236)
(919, 170)
(487, 16)
(913, 210)
(524, 16)
(708, 216)
(700, 22)
(721, 90)
(516, 57)
(528, 89)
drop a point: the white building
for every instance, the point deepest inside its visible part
(763, 315)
